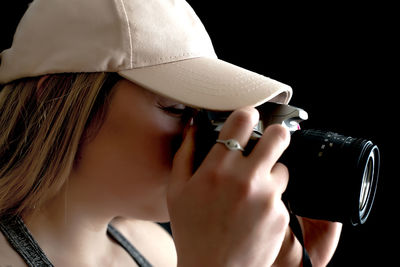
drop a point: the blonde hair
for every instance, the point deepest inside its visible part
(41, 129)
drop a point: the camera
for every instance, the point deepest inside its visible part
(332, 177)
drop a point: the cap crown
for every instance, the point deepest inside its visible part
(103, 35)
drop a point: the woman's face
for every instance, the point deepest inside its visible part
(126, 166)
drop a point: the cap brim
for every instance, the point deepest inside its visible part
(209, 83)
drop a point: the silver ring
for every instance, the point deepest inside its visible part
(231, 144)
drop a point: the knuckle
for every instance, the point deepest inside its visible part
(280, 132)
(284, 218)
(239, 184)
(282, 222)
(268, 206)
(213, 175)
(250, 182)
(245, 116)
(217, 172)
(282, 176)
(244, 188)
(281, 216)
(274, 208)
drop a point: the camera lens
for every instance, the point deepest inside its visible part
(366, 183)
(369, 182)
(332, 177)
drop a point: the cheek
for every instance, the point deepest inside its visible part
(142, 146)
(159, 142)
(143, 140)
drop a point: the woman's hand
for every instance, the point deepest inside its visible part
(230, 212)
(320, 239)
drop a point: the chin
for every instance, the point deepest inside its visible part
(160, 216)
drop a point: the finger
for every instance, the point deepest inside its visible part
(270, 147)
(280, 176)
(238, 126)
(182, 165)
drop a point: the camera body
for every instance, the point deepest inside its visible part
(332, 177)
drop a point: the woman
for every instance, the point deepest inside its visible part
(96, 96)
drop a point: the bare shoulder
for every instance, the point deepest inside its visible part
(152, 241)
(8, 256)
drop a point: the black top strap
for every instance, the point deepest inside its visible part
(19, 237)
(117, 236)
(22, 241)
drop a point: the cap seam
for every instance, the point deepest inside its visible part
(162, 60)
(129, 34)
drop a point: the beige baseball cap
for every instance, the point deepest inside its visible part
(160, 45)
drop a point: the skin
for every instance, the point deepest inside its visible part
(130, 174)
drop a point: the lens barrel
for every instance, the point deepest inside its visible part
(332, 177)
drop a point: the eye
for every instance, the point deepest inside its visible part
(178, 110)
(174, 110)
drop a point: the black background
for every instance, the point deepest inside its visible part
(342, 63)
